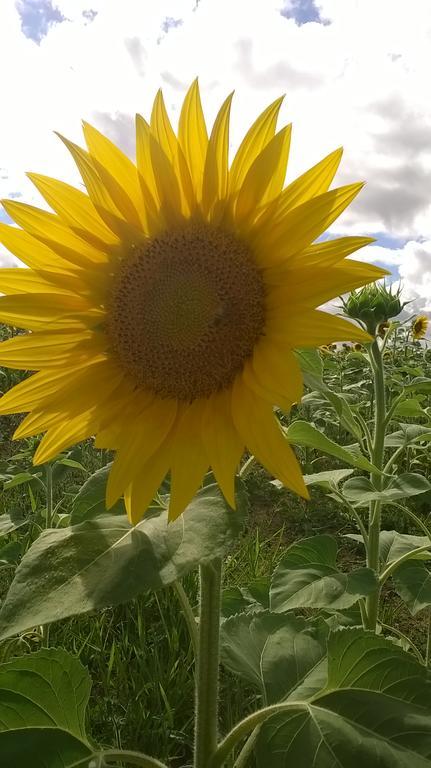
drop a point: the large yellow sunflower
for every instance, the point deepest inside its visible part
(164, 305)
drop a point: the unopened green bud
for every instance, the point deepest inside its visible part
(373, 305)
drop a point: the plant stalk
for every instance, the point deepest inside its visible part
(378, 449)
(207, 664)
(49, 496)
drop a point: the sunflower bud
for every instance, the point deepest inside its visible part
(372, 305)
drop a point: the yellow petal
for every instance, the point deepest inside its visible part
(222, 443)
(261, 433)
(35, 423)
(28, 394)
(168, 188)
(144, 162)
(35, 311)
(277, 370)
(145, 434)
(36, 351)
(313, 182)
(48, 228)
(277, 243)
(301, 327)
(142, 490)
(75, 209)
(99, 196)
(321, 255)
(17, 280)
(312, 286)
(192, 135)
(269, 394)
(31, 251)
(255, 140)
(265, 178)
(189, 460)
(216, 173)
(118, 174)
(65, 435)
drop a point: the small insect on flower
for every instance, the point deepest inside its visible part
(164, 305)
(419, 327)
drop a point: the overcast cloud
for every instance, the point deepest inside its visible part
(355, 73)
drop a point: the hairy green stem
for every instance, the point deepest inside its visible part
(377, 455)
(49, 496)
(247, 750)
(207, 664)
(188, 615)
(240, 731)
(407, 639)
(428, 648)
(396, 563)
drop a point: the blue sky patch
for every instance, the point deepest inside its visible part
(302, 11)
(37, 16)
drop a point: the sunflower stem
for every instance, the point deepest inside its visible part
(377, 455)
(49, 496)
(207, 665)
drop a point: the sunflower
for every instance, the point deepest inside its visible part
(165, 304)
(419, 327)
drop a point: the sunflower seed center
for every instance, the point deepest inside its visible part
(186, 310)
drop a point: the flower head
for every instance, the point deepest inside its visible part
(373, 305)
(419, 327)
(165, 304)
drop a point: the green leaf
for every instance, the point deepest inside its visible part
(43, 698)
(310, 362)
(251, 599)
(10, 522)
(413, 583)
(408, 433)
(307, 577)
(375, 712)
(328, 480)
(393, 545)
(360, 491)
(420, 384)
(106, 561)
(21, 478)
(90, 501)
(410, 408)
(313, 380)
(302, 433)
(10, 553)
(281, 655)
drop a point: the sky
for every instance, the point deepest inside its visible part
(355, 74)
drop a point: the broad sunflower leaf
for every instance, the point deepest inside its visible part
(413, 583)
(360, 491)
(303, 433)
(10, 522)
(90, 501)
(307, 577)
(393, 545)
(408, 433)
(375, 711)
(411, 408)
(283, 656)
(106, 561)
(43, 698)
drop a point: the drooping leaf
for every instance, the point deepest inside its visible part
(10, 522)
(302, 433)
(393, 545)
(410, 408)
(307, 577)
(360, 490)
(89, 502)
(408, 433)
(106, 561)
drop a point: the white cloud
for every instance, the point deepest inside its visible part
(359, 80)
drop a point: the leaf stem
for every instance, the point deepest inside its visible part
(242, 729)
(133, 758)
(188, 615)
(207, 664)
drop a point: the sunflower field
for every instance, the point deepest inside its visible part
(215, 535)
